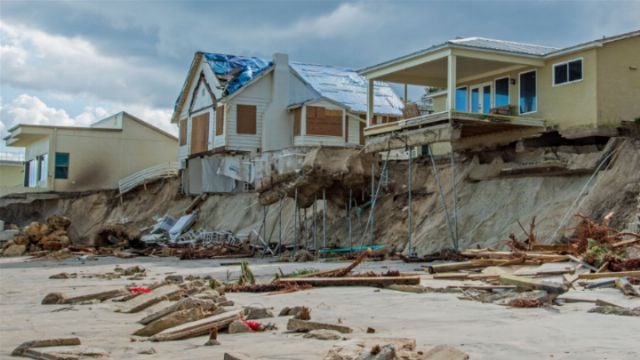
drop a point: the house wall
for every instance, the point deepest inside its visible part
(11, 174)
(566, 106)
(258, 94)
(618, 84)
(98, 159)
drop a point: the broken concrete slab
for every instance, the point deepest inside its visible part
(239, 326)
(59, 298)
(256, 313)
(182, 304)
(532, 284)
(323, 334)
(143, 301)
(296, 325)
(171, 320)
(199, 327)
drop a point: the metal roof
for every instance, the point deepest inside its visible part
(347, 87)
(502, 45)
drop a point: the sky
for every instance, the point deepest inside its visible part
(75, 62)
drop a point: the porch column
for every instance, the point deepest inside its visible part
(451, 82)
(370, 90)
(303, 121)
(406, 94)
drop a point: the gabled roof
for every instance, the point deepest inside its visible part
(347, 87)
(502, 45)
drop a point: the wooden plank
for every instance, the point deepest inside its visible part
(471, 264)
(57, 298)
(26, 349)
(532, 284)
(199, 327)
(298, 325)
(220, 120)
(143, 301)
(200, 133)
(246, 119)
(354, 281)
(635, 273)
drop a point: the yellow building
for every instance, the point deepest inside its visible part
(10, 173)
(60, 158)
(496, 91)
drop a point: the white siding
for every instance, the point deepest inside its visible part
(258, 94)
(318, 140)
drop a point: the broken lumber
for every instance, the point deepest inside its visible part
(143, 301)
(26, 349)
(341, 271)
(635, 273)
(471, 264)
(510, 255)
(353, 281)
(532, 284)
(625, 286)
(297, 325)
(199, 327)
(58, 298)
(172, 320)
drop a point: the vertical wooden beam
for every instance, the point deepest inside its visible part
(303, 121)
(406, 94)
(451, 82)
(370, 90)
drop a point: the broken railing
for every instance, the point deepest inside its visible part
(142, 177)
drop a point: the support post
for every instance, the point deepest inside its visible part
(454, 195)
(280, 225)
(406, 94)
(370, 92)
(264, 225)
(315, 226)
(295, 221)
(409, 208)
(324, 218)
(373, 202)
(442, 199)
(305, 233)
(349, 219)
(451, 83)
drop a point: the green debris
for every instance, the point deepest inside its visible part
(246, 276)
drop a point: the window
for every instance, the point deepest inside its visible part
(220, 120)
(62, 166)
(461, 99)
(501, 92)
(567, 72)
(246, 119)
(527, 98)
(183, 132)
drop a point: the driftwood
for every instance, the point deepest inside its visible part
(183, 304)
(601, 275)
(353, 281)
(342, 271)
(532, 284)
(26, 349)
(143, 301)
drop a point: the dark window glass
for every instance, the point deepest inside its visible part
(461, 99)
(502, 92)
(560, 72)
(528, 92)
(575, 70)
(62, 166)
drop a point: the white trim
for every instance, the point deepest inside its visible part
(481, 87)
(519, 86)
(553, 72)
(508, 92)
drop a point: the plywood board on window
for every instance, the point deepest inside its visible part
(220, 120)
(183, 132)
(321, 121)
(246, 119)
(297, 115)
(200, 133)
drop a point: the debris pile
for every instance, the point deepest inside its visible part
(38, 237)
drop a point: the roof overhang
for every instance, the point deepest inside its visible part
(430, 67)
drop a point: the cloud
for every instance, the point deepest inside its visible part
(35, 60)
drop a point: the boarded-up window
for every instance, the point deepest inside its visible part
(183, 132)
(220, 120)
(297, 114)
(200, 133)
(321, 121)
(346, 130)
(246, 119)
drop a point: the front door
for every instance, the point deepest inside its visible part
(480, 98)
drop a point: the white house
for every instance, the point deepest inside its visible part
(239, 117)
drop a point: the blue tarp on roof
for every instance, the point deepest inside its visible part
(347, 87)
(235, 71)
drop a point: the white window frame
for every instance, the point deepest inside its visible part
(553, 72)
(481, 87)
(508, 91)
(519, 86)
